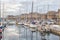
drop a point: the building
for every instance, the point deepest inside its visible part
(37, 16)
(58, 17)
(30, 16)
(51, 15)
(33, 16)
(11, 17)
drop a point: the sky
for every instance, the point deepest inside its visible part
(17, 7)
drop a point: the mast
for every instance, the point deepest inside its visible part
(32, 7)
(32, 11)
(0, 12)
(47, 10)
(0, 9)
(2, 15)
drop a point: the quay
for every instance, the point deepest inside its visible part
(55, 32)
(55, 29)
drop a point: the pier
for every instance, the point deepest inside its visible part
(55, 30)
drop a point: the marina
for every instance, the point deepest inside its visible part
(29, 20)
(31, 31)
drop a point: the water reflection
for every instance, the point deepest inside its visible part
(19, 32)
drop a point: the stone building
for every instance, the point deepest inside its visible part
(39, 16)
(31, 16)
(51, 15)
(58, 17)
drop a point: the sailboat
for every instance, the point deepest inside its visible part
(2, 20)
(33, 24)
(0, 26)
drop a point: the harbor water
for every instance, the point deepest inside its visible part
(20, 32)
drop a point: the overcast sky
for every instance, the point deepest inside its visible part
(16, 7)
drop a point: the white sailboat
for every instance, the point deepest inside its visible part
(2, 18)
(32, 25)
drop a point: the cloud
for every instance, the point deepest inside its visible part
(12, 6)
